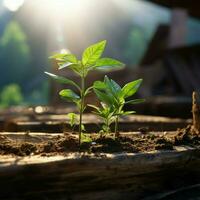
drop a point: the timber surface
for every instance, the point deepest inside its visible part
(60, 123)
(98, 176)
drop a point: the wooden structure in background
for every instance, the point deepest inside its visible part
(178, 28)
(192, 6)
(168, 68)
(183, 65)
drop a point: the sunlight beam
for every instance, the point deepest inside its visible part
(13, 5)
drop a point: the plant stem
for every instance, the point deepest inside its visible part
(107, 126)
(81, 107)
(116, 126)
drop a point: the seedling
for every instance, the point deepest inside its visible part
(106, 114)
(91, 60)
(73, 119)
(115, 97)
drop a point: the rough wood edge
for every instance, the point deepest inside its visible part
(195, 113)
(181, 154)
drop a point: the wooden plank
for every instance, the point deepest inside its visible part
(60, 123)
(94, 177)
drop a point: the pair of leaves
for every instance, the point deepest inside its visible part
(106, 114)
(107, 91)
(103, 112)
(93, 53)
(109, 86)
(114, 96)
(92, 57)
(90, 60)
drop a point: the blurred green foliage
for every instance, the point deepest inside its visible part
(136, 44)
(15, 55)
(11, 95)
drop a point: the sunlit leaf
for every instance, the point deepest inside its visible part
(128, 112)
(76, 68)
(135, 101)
(99, 85)
(57, 56)
(108, 64)
(93, 106)
(85, 138)
(62, 79)
(93, 53)
(83, 127)
(72, 118)
(88, 90)
(131, 88)
(69, 95)
(71, 58)
(64, 65)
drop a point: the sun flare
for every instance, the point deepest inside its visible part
(13, 5)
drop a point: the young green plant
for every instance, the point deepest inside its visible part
(110, 93)
(91, 60)
(107, 116)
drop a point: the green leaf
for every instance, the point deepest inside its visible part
(72, 118)
(116, 86)
(71, 58)
(108, 64)
(127, 113)
(64, 65)
(93, 106)
(113, 87)
(62, 79)
(131, 88)
(85, 138)
(88, 90)
(93, 53)
(57, 56)
(69, 95)
(77, 68)
(135, 101)
(99, 85)
(83, 127)
(103, 97)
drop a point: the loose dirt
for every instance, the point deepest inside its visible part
(61, 144)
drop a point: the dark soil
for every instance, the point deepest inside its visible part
(66, 143)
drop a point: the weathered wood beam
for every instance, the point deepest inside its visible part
(196, 113)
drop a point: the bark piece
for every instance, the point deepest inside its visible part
(195, 113)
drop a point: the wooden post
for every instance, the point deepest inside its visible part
(195, 113)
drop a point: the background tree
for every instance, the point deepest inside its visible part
(15, 55)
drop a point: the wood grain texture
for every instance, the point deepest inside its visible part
(59, 123)
(101, 176)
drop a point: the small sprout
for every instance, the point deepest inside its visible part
(85, 138)
(115, 97)
(107, 115)
(91, 60)
(73, 119)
